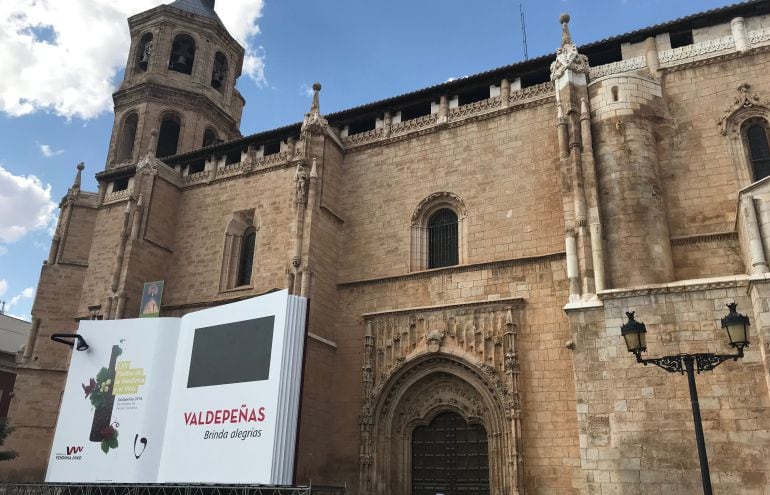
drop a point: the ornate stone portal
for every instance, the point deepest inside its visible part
(421, 362)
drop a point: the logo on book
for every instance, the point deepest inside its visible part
(73, 453)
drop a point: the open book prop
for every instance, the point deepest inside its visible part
(211, 397)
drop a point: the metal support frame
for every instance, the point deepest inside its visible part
(149, 489)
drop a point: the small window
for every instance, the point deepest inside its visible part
(246, 263)
(145, 50)
(182, 54)
(615, 94)
(120, 184)
(681, 38)
(219, 73)
(442, 239)
(209, 137)
(127, 137)
(759, 150)
(168, 137)
(472, 96)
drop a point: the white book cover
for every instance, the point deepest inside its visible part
(211, 397)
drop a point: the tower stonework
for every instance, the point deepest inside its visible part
(468, 251)
(182, 65)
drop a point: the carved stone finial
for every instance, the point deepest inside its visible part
(316, 107)
(583, 107)
(567, 56)
(314, 121)
(566, 38)
(509, 318)
(559, 114)
(313, 171)
(80, 167)
(153, 142)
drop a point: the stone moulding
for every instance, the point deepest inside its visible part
(421, 362)
(491, 107)
(414, 124)
(619, 67)
(528, 261)
(697, 49)
(704, 238)
(693, 285)
(512, 302)
(117, 196)
(759, 36)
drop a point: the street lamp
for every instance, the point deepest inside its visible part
(735, 324)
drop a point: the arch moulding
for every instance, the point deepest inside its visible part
(419, 364)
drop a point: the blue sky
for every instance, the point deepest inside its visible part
(54, 94)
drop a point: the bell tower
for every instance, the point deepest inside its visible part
(179, 80)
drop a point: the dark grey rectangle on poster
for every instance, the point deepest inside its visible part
(231, 353)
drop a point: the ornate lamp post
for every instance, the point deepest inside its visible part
(735, 324)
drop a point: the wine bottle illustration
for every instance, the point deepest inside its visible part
(103, 399)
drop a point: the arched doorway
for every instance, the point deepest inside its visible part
(450, 456)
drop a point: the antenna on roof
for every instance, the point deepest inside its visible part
(2, 307)
(523, 32)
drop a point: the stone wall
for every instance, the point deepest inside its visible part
(635, 422)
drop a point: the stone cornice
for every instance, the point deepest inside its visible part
(694, 285)
(545, 258)
(509, 302)
(532, 96)
(704, 238)
(172, 97)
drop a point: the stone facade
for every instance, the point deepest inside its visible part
(622, 185)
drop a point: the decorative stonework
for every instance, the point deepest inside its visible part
(363, 137)
(414, 124)
(619, 67)
(743, 101)
(759, 36)
(418, 364)
(568, 58)
(697, 49)
(475, 107)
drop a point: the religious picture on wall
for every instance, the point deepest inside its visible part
(151, 296)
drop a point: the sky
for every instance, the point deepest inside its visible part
(62, 60)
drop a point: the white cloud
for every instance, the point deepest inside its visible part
(25, 205)
(3, 286)
(48, 152)
(27, 293)
(63, 56)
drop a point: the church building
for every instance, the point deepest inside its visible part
(469, 250)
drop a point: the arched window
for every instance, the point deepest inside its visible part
(127, 137)
(182, 54)
(755, 133)
(168, 137)
(144, 52)
(209, 137)
(219, 73)
(437, 238)
(442, 239)
(246, 263)
(239, 248)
